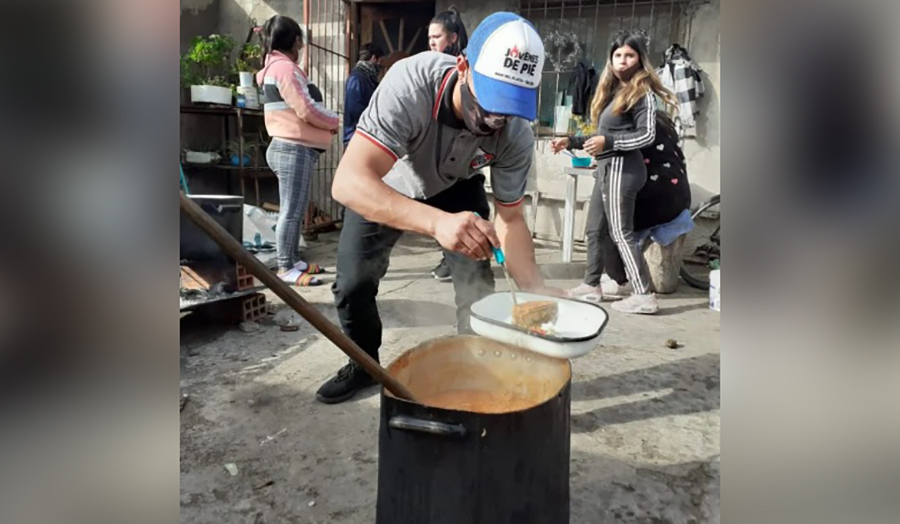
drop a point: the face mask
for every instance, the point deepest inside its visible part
(477, 120)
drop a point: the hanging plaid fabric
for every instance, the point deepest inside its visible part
(681, 75)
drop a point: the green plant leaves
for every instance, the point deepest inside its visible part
(208, 61)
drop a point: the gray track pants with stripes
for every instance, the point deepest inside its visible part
(611, 225)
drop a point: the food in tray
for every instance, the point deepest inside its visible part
(543, 329)
(534, 315)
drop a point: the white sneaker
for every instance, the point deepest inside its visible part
(585, 292)
(640, 304)
(613, 291)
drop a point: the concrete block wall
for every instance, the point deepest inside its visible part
(198, 17)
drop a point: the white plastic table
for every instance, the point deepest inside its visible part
(572, 174)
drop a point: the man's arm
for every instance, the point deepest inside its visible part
(509, 176)
(518, 247)
(359, 185)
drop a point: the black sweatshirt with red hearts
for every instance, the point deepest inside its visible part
(667, 192)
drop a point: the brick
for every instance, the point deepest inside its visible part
(244, 279)
(253, 308)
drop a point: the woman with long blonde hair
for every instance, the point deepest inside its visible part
(624, 110)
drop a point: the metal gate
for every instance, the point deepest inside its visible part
(328, 64)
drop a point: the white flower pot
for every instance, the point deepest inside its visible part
(211, 95)
(246, 79)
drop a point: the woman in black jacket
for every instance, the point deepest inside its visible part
(446, 33)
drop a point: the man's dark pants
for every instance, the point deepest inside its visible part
(364, 253)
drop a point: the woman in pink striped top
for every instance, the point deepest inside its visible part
(300, 128)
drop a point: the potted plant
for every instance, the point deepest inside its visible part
(233, 147)
(250, 59)
(248, 62)
(206, 67)
(257, 153)
(189, 77)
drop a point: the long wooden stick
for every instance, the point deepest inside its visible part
(233, 248)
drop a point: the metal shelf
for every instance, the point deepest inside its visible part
(247, 171)
(219, 110)
(244, 172)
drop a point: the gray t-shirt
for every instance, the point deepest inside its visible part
(402, 119)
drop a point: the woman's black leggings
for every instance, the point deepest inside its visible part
(610, 229)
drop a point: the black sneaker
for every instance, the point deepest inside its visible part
(442, 271)
(349, 380)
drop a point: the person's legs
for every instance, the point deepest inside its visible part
(626, 176)
(364, 251)
(616, 286)
(441, 272)
(613, 264)
(472, 280)
(293, 165)
(595, 234)
(597, 231)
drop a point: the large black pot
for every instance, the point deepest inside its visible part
(502, 456)
(227, 210)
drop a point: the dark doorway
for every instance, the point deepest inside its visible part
(400, 28)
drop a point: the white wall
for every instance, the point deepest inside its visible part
(702, 153)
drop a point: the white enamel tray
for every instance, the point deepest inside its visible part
(576, 331)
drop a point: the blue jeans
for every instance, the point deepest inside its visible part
(293, 165)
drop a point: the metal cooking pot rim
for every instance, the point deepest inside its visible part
(470, 363)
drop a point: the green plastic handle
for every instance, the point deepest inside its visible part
(498, 255)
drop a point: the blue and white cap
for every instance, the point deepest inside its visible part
(506, 57)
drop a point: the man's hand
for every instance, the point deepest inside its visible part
(467, 234)
(594, 145)
(558, 144)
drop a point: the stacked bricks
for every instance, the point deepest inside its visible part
(244, 278)
(253, 308)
